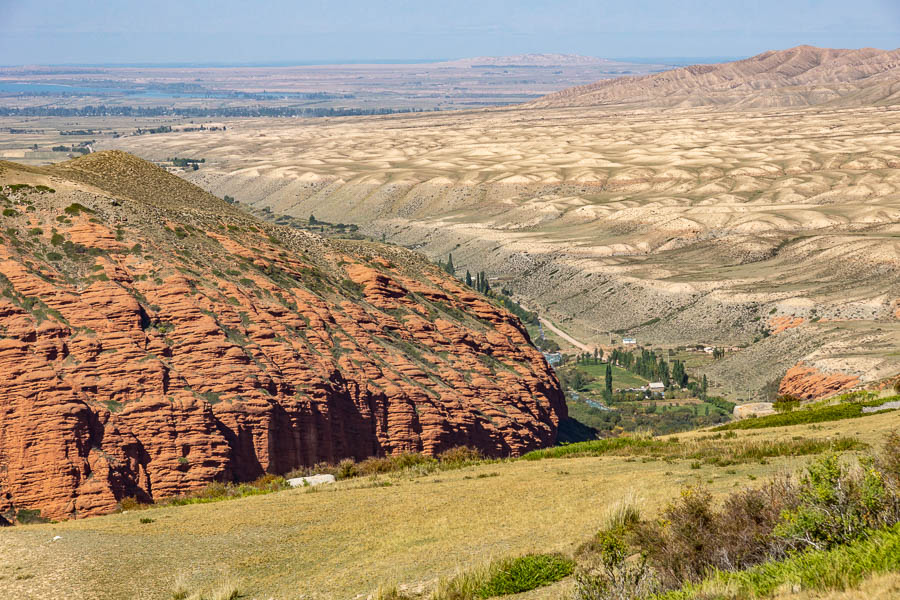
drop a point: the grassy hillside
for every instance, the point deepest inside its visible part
(404, 528)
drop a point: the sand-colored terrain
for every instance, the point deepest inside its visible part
(801, 76)
(674, 226)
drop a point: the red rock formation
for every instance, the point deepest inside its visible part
(779, 324)
(806, 382)
(160, 341)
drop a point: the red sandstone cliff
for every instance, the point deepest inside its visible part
(153, 339)
(807, 382)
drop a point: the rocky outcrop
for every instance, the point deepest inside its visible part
(783, 323)
(152, 344)
(753, 409)
(807, 382)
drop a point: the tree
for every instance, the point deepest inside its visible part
(578, 380)
(596, 359)
(451, 270)
(609, 378)
(468, 278)
(312, 219)
(704, 385)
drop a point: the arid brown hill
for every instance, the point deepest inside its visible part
(154, 339)
(801, 76)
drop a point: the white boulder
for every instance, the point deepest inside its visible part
(311, 480)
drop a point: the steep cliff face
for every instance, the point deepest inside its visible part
(154, 339)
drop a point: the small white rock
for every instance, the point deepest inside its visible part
(311, 480)
(58, 537)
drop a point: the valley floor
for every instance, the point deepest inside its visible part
(345, 540)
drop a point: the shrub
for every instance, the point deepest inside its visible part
(838, 504)
(623, 514)
(516, 575)
(460, 455)
(389, 592)
(840, 568)
(389, 464)
(786, 403)
(76, 209)
(346, 469)
(693, 537)
(611, 574)
(146, 520)
(9, 212)
(132, 503)
(28, 516)
(505, 576)
(56, 239)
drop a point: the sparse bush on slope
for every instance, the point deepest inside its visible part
(837, 518)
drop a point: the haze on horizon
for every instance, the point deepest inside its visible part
(232, 31)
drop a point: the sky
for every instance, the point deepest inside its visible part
(283, 31)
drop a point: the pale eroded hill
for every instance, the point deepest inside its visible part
(801, 76)
(679, 227)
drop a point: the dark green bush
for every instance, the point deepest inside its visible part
(27, 516)
(76, 209)
(523, 573)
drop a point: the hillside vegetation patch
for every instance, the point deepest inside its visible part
(812, 414)
(834, 525)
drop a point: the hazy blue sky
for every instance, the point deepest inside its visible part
(124, 31)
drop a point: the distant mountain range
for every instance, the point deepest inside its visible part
(531, 60)
(801, 76)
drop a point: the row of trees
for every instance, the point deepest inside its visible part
(481, 284)
(587, 358)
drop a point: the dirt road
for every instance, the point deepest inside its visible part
(580, 345)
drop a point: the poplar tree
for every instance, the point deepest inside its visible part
(609, 378)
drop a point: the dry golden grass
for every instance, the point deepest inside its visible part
(348, 539)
